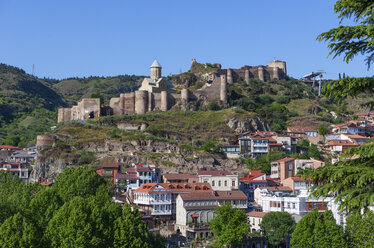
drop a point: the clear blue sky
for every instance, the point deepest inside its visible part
(90, 37)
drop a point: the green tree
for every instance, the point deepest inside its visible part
(277, 227)
(18, 232)
(316, 230)
(350, 41)
(323, 130)
(130, 230)
(263, 163)
(229, 225)
(360, 229)
(77, 182)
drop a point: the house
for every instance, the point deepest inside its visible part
(231, 151)
(109, 171)
(275, 190)
(250, 182)
(219, 180)
(195, 210)
(289, 143)
(9, 148)
(159, 199)
(283, 168)
(259, 143)
(296, 184)
(255, 219)
(288, 167)
(303, 132)
(139, 174)
(19, 169)
(22, 157)
(179, 178)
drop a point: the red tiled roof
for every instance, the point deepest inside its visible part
(177, 187)
(283, 160)
(256, 214)
(277, 188)
(252, 175)
(178, 176)
(9, 147)
(217, 195)
(298, 129)
(214, 173)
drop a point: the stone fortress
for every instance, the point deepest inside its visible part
(158, 94)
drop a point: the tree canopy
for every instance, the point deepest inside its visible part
(229, 225)
(317, 230)
(76, 211)
(360, 229)
(277, 227)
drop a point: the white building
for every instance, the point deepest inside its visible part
(154, 199)
(139, 174)
(255, 219)
(219, 180)
(195, 210)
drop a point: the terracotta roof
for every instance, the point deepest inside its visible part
(213, 173)
(177, 187)
(298, 129)
(340, 143)
(9, 147)
(353, 136)
(150, 188)
(216, 195)
(256, 214)
(126, 176)
(252, 175)
(276, 188)
(178, 176)
(297, 179)
(286, 159)
(110, 165)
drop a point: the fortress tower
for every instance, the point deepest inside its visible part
(156, 70)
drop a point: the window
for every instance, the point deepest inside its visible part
(156, 207)
(213, 183)
(162, 197)
(293, 205)
(233, 183)
(225, 183)
(288, 205)
(219, 183)
(107, 171)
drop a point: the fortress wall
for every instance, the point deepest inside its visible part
(44, 140)
(90, 105)
(64, 115)
(212, 92)
(141, 102)
(129, 100)
(115, 105)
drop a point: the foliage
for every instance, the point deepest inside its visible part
(360, 229)
(318, 230)
(263, 163)
(87, 157)
(351, 179)
(350, 41)
(18, 232)
(76, 211)
(210, 146)
(323, 130)
(213, 106)
(229, 225)
(277, 227)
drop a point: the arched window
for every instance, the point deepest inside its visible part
(213, 183)
(219, 183)
(225, 183)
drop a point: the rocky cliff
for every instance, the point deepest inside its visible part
(92, 143)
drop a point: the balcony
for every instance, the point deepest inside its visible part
(161, 212)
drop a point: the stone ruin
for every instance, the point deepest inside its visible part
(158, 94)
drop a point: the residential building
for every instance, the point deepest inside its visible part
(296, 184)
(251, 181)
(149, 196)
(289, 143)
(283, 168)
(231, 151)
(303, 132)
(19, 169)
(9, 148)
(179, 178)
(219, 180)
(255, 219)
(139, 174)
(109, 171)
(288, 167)
(258, 144)
(274, 190)
(195, 210)
(22, 157)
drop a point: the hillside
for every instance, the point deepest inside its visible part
(174, 141)
(28, 105)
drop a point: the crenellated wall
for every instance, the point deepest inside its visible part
(162, 97)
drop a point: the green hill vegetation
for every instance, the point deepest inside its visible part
(28, 105)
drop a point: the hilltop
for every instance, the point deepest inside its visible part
(29, 104)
